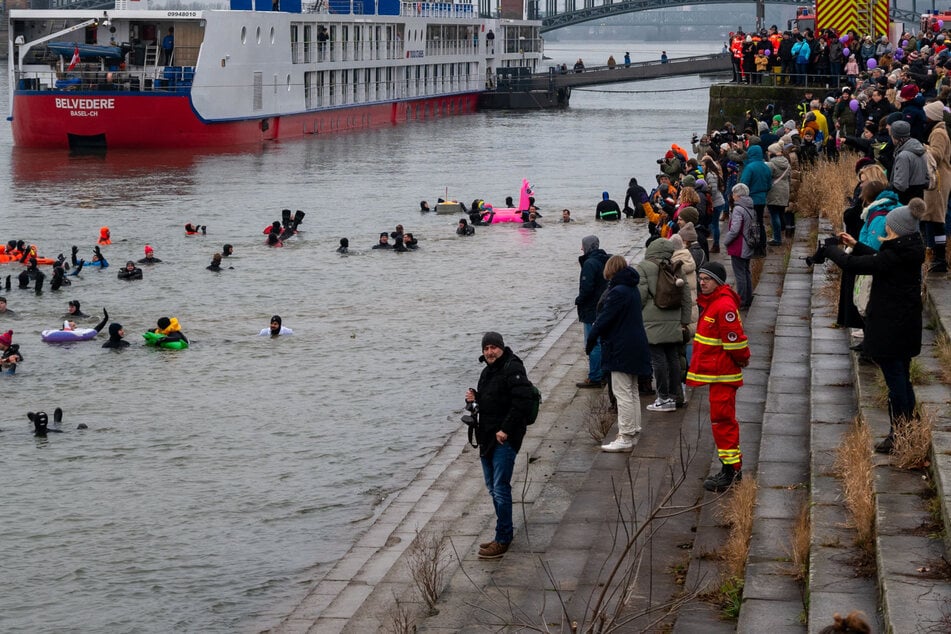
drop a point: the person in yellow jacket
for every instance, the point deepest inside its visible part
(720, 352)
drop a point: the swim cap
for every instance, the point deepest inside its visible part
(164, 322)
(114, 329)
(6, 338)
(148, 249)
(276, 319)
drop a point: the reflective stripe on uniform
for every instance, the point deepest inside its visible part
(714, 378)
(739, 345)
(729, 456)
(710, 341)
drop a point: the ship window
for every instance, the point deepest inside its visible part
(257, 34)
(244, 34)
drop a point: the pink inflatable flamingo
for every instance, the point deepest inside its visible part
(511, 214)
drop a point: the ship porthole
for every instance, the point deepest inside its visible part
(271, 34)
(244, 35)
(257, 34)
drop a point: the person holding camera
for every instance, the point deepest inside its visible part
(9, 353)
(893, 312)
(503, 401)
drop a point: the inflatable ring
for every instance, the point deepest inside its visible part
(65, 336)
(154, 339)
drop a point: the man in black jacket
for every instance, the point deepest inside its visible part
(590, 288)
(503, 401)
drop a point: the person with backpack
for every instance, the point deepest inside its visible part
(625, 353)
(777, 198)
(665, 303)
(739, 240)
(504, 401)
(720, 352)
(759, 178)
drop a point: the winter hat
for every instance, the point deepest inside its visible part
(688, 181)
(276, 319)
(589, 244)
(163, 322)
(714, 270)
(762, 126)
(6, 338)
(862, 162)
(605, 196)
(901, 221)
(934, 111)
(908, 92)
(740, 189)
(384, 234)
(917, 207)
(492, 339)
(913, 56)
(689, 214)
(148, 249)
(775, 148)
(688, 233)
(669, 155)
(677, 242)
(790, 125)
(778, 117)
(901, 130)
(893, 117)
(700, 185)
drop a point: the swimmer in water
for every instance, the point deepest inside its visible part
(104, 236)
(9, 353)
(227, 250)
(171, 329)
(116, 334)
(130, 272)
(149, 256)
(423, 205)
(193, 229)
(344, 246)
(384, 242)
(276, 328)
(73, 310)
(216, 263)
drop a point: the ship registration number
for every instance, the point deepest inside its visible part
(84, 107)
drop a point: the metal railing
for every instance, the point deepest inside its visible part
(161, 79)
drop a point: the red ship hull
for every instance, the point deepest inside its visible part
(72, 120)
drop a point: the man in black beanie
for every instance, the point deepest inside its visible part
(720, 352)
(504, 400)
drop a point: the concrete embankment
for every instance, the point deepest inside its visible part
(632, 540)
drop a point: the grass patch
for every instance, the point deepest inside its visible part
(913, 441)
(600, 416)
(799, 544)
(853, 466)
(825, 188)
(942, 351)
(736, 511)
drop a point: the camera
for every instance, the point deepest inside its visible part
(819, 257)
(660, 161)
(471, 418)
(694, 138)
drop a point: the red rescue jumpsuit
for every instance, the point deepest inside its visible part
(719, 348)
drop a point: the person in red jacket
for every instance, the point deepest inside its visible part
(720, 352)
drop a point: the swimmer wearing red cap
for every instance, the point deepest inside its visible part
(149, 256)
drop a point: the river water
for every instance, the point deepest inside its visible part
(214, 484)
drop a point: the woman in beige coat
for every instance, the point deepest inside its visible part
(936, 200)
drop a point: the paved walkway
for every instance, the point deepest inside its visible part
(577, 508)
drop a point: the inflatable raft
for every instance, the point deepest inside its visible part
(66, 336)
(155, 339)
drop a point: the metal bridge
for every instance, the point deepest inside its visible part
(558, 13)
(562, 13)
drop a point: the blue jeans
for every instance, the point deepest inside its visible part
(497, 470)
(715, 225)
(594, 359)
(901, 394)
(776, 221)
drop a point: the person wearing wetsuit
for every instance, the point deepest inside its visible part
(227, 250)
(410, 242)
(73, 310)
(116, 334)
(276, 328)
(32, 272)
(130, 272)
(464, 228)
(344, 246)
(423, 205)
(149, 256)
(384, 242)
(171, 329)
(9, 353)
(607, 209)
(215, 263)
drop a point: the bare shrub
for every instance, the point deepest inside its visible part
(912, 443)
(400, 620)
(736, 511)
(853, 466)
(427, 563)
(599, 417)
(756, 271)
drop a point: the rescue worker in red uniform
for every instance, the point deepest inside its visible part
(720, 351)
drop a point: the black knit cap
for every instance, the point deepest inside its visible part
(492, 339)
(716, 271)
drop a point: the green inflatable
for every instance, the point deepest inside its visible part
(155, 339)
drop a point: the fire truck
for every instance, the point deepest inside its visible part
(935, 21)
(865, 17)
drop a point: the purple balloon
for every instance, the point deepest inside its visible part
(854, 105)
(940, 24)
(904, 43)
(767, 52)
(844, 39)
(871, 63)
(846, 52)
(899, 54)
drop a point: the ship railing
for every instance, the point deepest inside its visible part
(436, 10)
(317, 52)
(437, 46)
(167, 79)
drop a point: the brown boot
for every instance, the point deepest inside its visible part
(494, 550)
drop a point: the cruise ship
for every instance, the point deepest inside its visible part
(140, 77)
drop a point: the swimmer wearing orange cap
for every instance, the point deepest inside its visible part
(104, 236)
